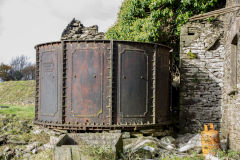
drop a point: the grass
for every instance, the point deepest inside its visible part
(17, 92)
(233, 155)
(19, 96)
(229, 155)
(44, 155)
(17, 121)
(25, 112)
(196, 157)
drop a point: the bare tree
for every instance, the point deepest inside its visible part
(19, 63)
(22, 69)
(28, 72)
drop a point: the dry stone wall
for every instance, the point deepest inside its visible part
(76, 31)
(202, 54)
(232, 2)
(231, 90)
(210, 73)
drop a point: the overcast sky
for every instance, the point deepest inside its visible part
(26, 23)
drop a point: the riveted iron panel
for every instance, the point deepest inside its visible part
(102, 85)
(86, 102)
(133, 83)
(163, 61)
(48, 75)
(134, 77)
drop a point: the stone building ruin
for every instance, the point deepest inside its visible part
(77, 31)
(210, 74)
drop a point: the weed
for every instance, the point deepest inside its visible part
(234, 155)
(191, 55)
(210, 19)
(195, 78)
(99, 153)
(175, 157)
(44, 155)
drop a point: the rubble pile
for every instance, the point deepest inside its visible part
(77, 31)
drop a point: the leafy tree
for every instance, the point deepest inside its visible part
(4, 72)
(157, 20)
(15, 75)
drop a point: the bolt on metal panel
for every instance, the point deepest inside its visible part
(47, 83)
(86, 78)
(99, 85)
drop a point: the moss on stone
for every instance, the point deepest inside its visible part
(195, 78)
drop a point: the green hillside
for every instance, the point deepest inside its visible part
(17, 93)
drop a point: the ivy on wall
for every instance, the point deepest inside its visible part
(157, 21)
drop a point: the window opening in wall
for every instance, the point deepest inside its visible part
(191, 30)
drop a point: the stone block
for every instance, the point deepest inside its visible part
(80, 141)
(72, 152)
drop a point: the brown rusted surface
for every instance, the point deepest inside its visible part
(101, 127)
(134, 83)
(47, 84)
(87, 69)
(101, 85)
(163, 84)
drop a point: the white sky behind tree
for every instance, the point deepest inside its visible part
(26, 23)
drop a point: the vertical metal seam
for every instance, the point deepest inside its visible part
(60, 80)
(170, 83)
(111, 84)
(154, 83)
(237, 59)
(63, 81)
(37, 84)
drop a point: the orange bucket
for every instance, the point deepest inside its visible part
(210, 140)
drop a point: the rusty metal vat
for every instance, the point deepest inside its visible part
(102, 85)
